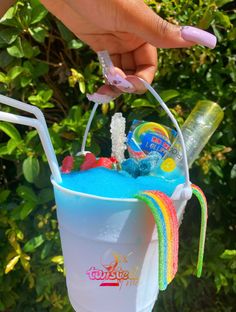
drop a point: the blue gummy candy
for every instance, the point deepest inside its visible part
(131, 166)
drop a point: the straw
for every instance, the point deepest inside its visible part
(45, 139)
(27, 108)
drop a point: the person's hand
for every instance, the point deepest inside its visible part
(130, 31)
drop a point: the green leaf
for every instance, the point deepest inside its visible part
(40, 69)
(21, 48)
(34, 243)
(46, 195)
(25, 81)
(8, 17)
(4, 78)
(223, 19)
(82, 86)
(57, 259)
(65, 33)
(8, 36)
(142, 103)
(75, 44)
(26, 193)
(218, 170)
(206, 19)
(220, 3)
(12, 145)
(4, 195)
(10, 130)
(30, 135)
(41, 99)
(168, 94)
(11, 264)
(26, 209)
(38, 13)
(5, 59)
(233, 172)
(3, 149)
(30, 169)
(15, 71)
(228, 254)
(38, 33)
(46, 95)
(217, 148)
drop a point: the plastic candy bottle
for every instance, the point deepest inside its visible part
(197, 130)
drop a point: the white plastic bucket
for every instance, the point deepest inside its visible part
(110, 252)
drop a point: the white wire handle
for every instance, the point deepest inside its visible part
(172, 118)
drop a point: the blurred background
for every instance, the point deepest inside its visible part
(44, 64)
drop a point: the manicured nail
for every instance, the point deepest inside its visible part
(119, 81)
(199, 36)
(99, 98)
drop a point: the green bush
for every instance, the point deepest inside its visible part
(42, 63)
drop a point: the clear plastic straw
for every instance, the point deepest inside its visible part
(27, 108)
(46, 142)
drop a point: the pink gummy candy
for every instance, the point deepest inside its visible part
(67, 164)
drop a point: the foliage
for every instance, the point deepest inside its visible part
(42, 63)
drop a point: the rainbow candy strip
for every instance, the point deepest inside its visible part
(166, 220)
(203, 203)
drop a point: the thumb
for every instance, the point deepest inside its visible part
(153, 29)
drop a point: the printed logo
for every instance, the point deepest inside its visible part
(114, 273)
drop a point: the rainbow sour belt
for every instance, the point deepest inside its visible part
(165, 217)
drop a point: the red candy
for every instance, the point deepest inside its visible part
(67, 164)
(89, 162)
(104, 162)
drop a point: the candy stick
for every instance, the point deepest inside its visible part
(204, 214)
(161, 230)
(165, 217)
(46, 142)
(169, 233)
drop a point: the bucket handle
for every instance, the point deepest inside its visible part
(182, 191)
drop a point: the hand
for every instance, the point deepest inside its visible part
(129, 30)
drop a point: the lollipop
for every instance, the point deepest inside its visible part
(146, 137)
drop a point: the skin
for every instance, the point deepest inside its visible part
(128, 29)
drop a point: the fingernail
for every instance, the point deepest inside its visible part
(119, 81)
(199, 36)
(99, 98)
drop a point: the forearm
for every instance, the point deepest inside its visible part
(5, 5)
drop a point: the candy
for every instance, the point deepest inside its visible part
(165, 217)
(118, 137)
(67, 164)
(89, 161)
(203, 203)
(131, 166)
(104, 162)
(146, 137)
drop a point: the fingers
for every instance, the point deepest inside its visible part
(142, 21)
(140, 63)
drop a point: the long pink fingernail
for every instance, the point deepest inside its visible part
(199, 36)
(99, 98)
(119, 81)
